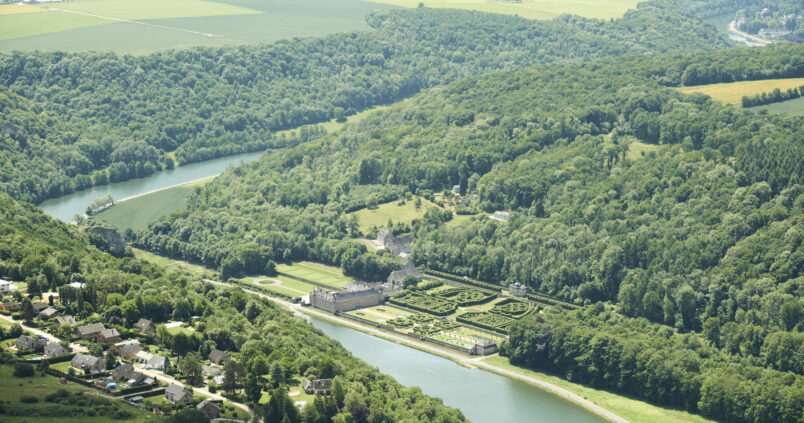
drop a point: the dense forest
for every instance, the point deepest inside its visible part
(263, 337)
(683, 212)
(71, 121)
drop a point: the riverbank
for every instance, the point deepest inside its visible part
(733, 29)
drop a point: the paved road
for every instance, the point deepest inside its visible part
(53, 338)
(463, 359)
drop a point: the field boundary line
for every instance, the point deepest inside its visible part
(170, 28)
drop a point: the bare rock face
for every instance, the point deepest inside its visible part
(111, 236)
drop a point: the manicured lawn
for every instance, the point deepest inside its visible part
(181, 266)
(323, 274)
(138, 212)
(631, 409)
(531, 9)
(790, 107)
(39, 386)
(62, 367)
(733, 92)
(377, 218)
(84, 13)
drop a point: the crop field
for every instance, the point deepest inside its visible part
(790, 107)
(531, 9)
(733, 92)
(141, 26)
(406, 213)
(317, 272)
(138, 212)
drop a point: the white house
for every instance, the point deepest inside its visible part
(6, 286)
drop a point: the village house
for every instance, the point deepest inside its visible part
(208, 407)
(65, 320)
(108, 335)
(126, 349)
(177, 394)
(157, 362)
(518, 290)
(39, 306)
(484, 347)
(90, 331)
(398, 276)
(88, 363)
(126, 373)
(209, 371)
(48, 313)
(217, 356)
(26, 342)
(145, 326)
(6, 286)
(55, 349)
(9, 306)
(143, 356)
(317, 386)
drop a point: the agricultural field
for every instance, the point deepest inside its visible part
(40, 386)
(733, 92)
(141, 26)
(370, 219)
(531, 9)
(790, 107)
(316, 272)
(138, 212)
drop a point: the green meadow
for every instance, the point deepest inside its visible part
(790, 107)
(316, 272)
(531, 9)
(378, 217)
(138, 212)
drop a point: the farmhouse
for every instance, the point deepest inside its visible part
(54, 349)
(9, 306)
(177, 394)
(48, 313)
(26, 342)
(209, 408)
(398, 275)
(88, 363)
(126, 349)
(90, 330)
(65, 320)
(217, 356)
(108, 335)
(317, 386)
(484, 347)
(518, 290)
(145, 326)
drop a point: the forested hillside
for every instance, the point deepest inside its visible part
(261, 336)
(701, 232)
(71, 121)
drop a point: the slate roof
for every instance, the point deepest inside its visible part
(90, 329)
(109, 333)
(128, 348)
(54, 349)
(48, 313)
(65, 320)
(39, 306)
(178, 393)
(26, 342)
(317, 384)
(86, 361)
(209, 407)
(399, 275)
(217, 356)
(144, 325)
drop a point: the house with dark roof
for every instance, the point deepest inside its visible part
(55, 349)
(210, 408)
(108, 335)
(126, 373)
(26, 342)
(317, 386)
(217, 356)
(157, 362)
(48, 313)
(126, 349)
(90, 331)
(9, 306)
(484, 347)
(88, 363)
(177, 394)
(65, 320)
(145, 326)
(39, 306)
(398, 275)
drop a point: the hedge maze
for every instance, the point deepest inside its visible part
(513, 308)
(424, 303)
(465, 297)
(486, 320)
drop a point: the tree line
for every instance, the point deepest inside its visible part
(775, 96)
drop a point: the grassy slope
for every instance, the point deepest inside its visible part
(12, 388)
(532, 9)
(733, 92)
(790, 107)
(633, 410)
(379, 217)
(138, 212)
(180, 266)
(27, 24)
(327, 275)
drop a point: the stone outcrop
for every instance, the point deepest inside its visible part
(111, 236)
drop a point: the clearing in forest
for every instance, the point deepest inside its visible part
(396, 211)
(733, 92)
(531, 9)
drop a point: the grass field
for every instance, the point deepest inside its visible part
(368, 219)
(323, 274)
(39, 386)
(790, 107)
(19, 9)
(638, 150)
(179, 329)
(281, 284)
(175, 23)
(733, 92)
(181, 266)
(138, 212)
(633, 410)
(531, 9)
(333, 126)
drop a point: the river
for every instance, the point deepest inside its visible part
(65, 207)
(722, 23)
(481, 396)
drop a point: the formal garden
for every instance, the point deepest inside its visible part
(424, 303)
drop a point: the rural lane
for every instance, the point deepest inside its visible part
(39, 332)
(433, 349)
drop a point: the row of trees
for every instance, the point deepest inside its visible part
(775, 96)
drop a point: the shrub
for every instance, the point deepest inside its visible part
(23, 370)
(29, 399)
